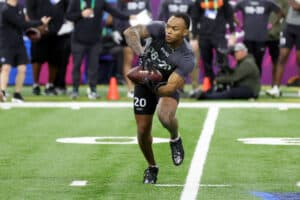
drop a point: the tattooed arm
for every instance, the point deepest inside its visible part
(133, 36)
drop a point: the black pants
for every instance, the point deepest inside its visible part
(207, 45)
(92, 52)
(64, 53)
(233, 93)
(257, 49)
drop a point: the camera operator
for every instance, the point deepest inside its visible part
(243, 82)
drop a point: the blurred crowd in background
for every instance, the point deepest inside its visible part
(75, 42)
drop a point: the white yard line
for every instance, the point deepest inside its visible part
(193, 179)
(103, 104)
(201, 185)
(78, 183)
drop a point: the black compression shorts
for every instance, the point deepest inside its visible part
(145, 100)
(14, 56)
(290, 37)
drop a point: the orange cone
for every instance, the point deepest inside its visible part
(206, 84)
(113, 92)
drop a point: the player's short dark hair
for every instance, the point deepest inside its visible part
(185, 18)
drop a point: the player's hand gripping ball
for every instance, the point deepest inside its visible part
(138, 75)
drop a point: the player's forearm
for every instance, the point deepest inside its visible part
(175, 82)
(133, 40)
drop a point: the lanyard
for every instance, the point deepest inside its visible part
(82, 4)
(215, 4)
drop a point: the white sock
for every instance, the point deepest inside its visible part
(176, 139)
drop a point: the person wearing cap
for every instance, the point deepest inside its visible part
(244, 80)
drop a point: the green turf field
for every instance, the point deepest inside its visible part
(34, 165)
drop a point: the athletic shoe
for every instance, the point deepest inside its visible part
(74, 95)
(130, 94)
(50, 90)
(17, 98)
(150, 175)
(61, 91)
(177, 151)
(5, 95)
(36, 90)
(92, 94)
(193, 93)
(274, 92)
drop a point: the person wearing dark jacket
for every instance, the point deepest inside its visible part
(13, 52)
(209, 26)
(86, 39)
(50, 48)
(255, 13)
(244, 81)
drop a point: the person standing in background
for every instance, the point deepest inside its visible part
(131, 7)
(64, 51)
(210, 18)
(49, 47)
(289, 37)
(275, 27)
(166, 9)
(86, 39)
(12, 48)
(256, 14)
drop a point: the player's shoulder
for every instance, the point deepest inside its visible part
(186, 47)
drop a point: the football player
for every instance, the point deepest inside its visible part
(167, 51)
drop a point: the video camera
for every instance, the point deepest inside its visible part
(223, 63)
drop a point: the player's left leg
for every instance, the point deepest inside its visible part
(166, 111)
(17, 97)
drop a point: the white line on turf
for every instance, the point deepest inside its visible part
(78, 183)
(193, 179)
(298, 184)
(201, 185)
(104, 104)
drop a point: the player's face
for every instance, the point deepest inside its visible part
(176, 30)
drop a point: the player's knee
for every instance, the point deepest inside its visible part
(143, 129)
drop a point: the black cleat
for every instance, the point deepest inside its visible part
(177, 151)
(150, 175)
(50, 91)
(36, 90)
(17, 98)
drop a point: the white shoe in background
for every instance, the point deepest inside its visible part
(130, 94)
(274, 91)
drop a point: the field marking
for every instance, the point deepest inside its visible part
(298, 184)
(270, 141)
(107, 140)
(78, 183)
(201, 185)
(102, 104)
(193, 179)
